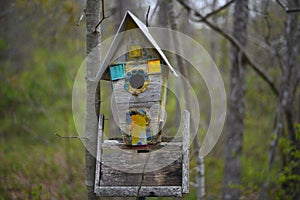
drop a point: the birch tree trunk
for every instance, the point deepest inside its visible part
(92, 97)
(235, 118)
(184, 72)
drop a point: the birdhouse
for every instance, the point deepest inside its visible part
(139, 78)
(140, 163)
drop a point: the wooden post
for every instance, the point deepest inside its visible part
(185, 154)
(99, 151)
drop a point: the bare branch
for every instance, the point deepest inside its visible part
(203, 18)
(282, 5)
(80, 18)
(286, 9)
(103, 17)
(143, 176)
(235, 43)
(293, 10)
(69, 137)
(147, 16)
(267, 46)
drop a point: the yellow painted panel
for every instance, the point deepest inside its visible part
(134, 51)
(154, 66)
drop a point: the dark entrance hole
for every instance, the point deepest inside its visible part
(137, 81)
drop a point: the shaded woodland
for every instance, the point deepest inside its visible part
(255, 45)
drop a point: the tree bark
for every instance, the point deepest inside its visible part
(235, 118)
(286, 109)
(120, 9)
(288, 105)
(92, 97)
(179, 64)
(163, 14)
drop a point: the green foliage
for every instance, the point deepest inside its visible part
(289, 178)
(37, 72)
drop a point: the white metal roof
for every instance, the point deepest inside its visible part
(114, 45)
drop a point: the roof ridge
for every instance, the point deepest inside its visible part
(144, 29)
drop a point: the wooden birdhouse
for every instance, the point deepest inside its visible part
(139, 78)
(140, 163)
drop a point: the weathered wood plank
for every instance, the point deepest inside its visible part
(99, 150)
(167, 176)
(145, 191)
(147, 104)
(169, 180)
(152, 93)
(175, 146)
(185, 152)
(135, 162)
(170, 139)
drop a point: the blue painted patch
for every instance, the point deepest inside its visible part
(142, 111)
(148, 133)
(128, 118)
(117, 71)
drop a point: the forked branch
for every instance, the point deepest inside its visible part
(235, 43)
(286, 9)
(214, 12)
(102, 18)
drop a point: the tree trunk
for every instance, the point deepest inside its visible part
(92, 98)
(286, 110)
(163, 14)
(289, 87)
(120, 8)
(235, 118)
(184, 72)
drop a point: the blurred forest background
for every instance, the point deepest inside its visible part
(255, 45)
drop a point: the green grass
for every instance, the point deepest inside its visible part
(40, 169)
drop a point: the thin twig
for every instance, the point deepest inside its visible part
(143, 175)
(80, 18)
(235, 43)
(103, 17)
(69, 137)
(147, 16)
